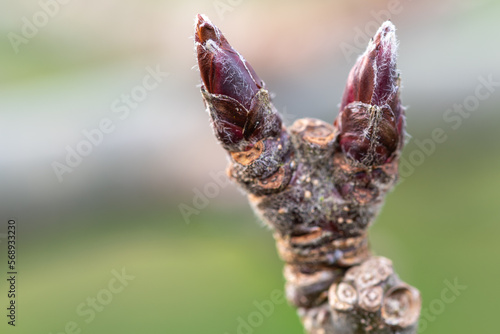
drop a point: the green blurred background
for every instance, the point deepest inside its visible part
(119, 208)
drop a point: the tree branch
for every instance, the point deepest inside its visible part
(318, 186)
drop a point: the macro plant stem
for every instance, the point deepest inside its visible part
(318, 186)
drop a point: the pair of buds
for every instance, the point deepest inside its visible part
(370, 124)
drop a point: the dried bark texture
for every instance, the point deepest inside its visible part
(318, 186)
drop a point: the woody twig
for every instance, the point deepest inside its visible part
(318, 186)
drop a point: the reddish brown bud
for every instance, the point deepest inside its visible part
(371, 119)
(374, 78)
(239, 105)
(223, 70)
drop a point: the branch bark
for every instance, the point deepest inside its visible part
(318, 186)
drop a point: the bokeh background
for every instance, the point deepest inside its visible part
(118, 209)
